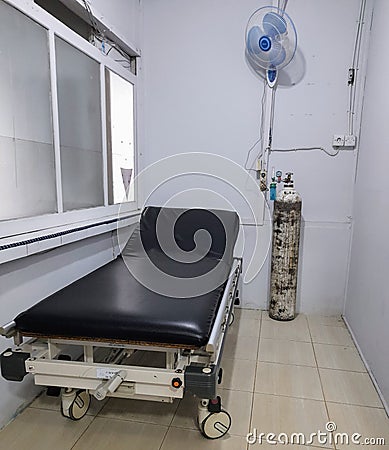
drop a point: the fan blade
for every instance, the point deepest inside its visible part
(253, 38)
(265, 59)
(277, 55)
(274, 24)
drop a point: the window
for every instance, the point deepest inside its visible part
(79, 111)
(27, 167)
(120, 135)
(67, 133)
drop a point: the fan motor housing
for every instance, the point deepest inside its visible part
(265, 43)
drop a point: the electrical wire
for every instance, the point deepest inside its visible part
(91, 18)
(113, 45)
(99, 34)
(261, 132)
(306, 149)
(272, 112)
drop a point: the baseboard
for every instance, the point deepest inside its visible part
(367, 366)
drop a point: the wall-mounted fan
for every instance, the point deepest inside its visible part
(271, 41)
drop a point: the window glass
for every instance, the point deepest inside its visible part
(79, 108)
(27, 166)
(120, 133)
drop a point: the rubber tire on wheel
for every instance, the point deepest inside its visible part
(80, 405)
(216, 425)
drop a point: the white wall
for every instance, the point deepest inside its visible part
(367, 304)
(201, 96)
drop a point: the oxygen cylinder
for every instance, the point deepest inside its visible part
(285, 252)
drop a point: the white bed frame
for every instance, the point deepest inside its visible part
(105, 369)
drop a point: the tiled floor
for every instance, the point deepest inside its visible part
(292, 377)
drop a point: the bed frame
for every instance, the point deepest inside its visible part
(78, 368)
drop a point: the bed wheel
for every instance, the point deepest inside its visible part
(75, 403)
(216, 425)
(232, 319)
(213, 421)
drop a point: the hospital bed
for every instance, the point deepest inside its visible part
(108, 335)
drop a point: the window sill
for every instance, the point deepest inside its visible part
(27, 244)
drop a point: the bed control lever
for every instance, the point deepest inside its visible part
(8, 330)
(110, 385)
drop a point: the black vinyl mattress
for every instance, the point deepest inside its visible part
(111, 304)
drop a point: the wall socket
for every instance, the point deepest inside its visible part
(346, 141)
(350, 140)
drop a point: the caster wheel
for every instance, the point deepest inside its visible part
(75, 404)
(216, 425)
(232, 319)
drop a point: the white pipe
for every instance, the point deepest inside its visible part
(355, 66)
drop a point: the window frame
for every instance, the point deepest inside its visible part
(45, 222)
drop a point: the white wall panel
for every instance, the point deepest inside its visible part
(323, 268)
(325, 183)
(367, 303)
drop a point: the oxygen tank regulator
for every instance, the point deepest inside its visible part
(276, 179)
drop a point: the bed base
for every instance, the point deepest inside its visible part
(76, 369)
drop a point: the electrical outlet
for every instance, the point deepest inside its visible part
(338, 140)
(350, 140)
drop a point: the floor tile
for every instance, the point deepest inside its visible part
(324, 334)
(295, 330)
(241, 347)
(293, 381)
(115, 434)
(179, 439)
(140, 411)
(265, 315)
(349, 387)
(245, 327)
(54, 404)
(38, 429)
(276, 414)
(334, 321)
(236, 403)
(368, 422)
(286, 352)
(338, 357)
(238, 374)
(248, 313)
